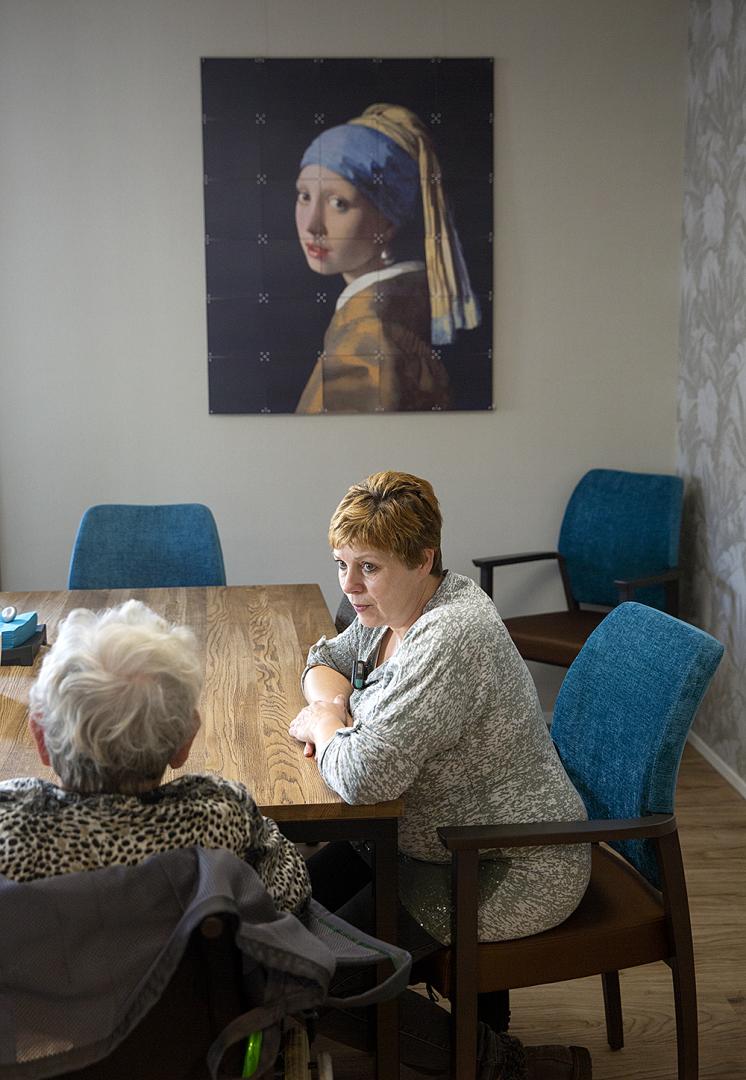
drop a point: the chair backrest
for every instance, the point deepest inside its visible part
(623, 713)
(345, 615)
(620, 525)
(61, 938)
(122, 546)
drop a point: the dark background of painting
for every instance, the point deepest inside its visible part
(266, 310)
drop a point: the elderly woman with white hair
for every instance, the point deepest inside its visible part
(114, 704)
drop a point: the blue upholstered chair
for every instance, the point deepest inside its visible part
(345, 615)
(620, 724)
(122, 546)
(619, 541)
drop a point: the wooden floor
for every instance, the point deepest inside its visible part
(712, 820)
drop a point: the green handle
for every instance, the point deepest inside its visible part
(253, 1053)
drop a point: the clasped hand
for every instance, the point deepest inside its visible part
(317, 723)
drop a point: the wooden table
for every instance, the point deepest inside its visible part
(254, 641)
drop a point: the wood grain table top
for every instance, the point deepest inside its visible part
(254, 641)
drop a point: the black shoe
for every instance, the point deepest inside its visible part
(557, 1063)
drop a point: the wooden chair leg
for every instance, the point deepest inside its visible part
(682, 963)
(494, 1009)
(613, 1010)
(687, 1031)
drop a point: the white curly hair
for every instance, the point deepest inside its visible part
(116, 697)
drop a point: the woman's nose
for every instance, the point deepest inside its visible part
(315, 220)
(352, 582)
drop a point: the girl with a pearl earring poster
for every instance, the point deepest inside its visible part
(399, 268)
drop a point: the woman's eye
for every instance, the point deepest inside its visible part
(303, 197)
(369, 568)
(339, 203)
(341, 566)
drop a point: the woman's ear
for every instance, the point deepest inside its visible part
(428, 558)
(179, 757)
(38, 733)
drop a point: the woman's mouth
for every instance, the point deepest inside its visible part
(316, 252)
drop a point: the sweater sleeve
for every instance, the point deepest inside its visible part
(421, 705)
(338, 653)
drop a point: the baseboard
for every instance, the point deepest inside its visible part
(717, 763)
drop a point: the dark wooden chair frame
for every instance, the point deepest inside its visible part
(626, 588)
(587, 619)
(476, 993)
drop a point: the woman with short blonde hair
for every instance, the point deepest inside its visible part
(390, 511)
(425, 697)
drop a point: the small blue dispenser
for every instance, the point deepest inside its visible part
(18, 630)
(21, 637)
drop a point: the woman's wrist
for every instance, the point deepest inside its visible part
(324, 731)
(318, 723)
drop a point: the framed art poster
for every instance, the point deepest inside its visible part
(348, 234)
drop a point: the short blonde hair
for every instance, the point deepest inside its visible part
(116, 697)
(393, 512)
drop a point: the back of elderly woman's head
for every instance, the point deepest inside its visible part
(116, 697)
(393, 512)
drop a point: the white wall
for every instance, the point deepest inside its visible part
(102, 314)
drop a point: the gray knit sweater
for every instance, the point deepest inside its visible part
(452, 722)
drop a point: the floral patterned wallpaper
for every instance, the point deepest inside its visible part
(712, 384)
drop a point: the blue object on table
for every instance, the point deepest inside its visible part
(19, 630)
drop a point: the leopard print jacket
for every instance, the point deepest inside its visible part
(45, 831)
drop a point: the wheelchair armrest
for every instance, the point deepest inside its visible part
(669, 578)
(539, 833)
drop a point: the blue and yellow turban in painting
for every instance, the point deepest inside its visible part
(388, 155)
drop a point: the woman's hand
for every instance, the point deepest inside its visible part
(317, 724)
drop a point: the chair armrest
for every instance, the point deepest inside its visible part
(488, 563)
(669, 578)
(508, 560)
(540, 833)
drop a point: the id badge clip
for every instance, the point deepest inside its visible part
(360, 672)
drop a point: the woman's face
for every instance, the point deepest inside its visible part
(382, 590)
(340, 231)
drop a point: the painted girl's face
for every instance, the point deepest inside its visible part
(340, 231)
